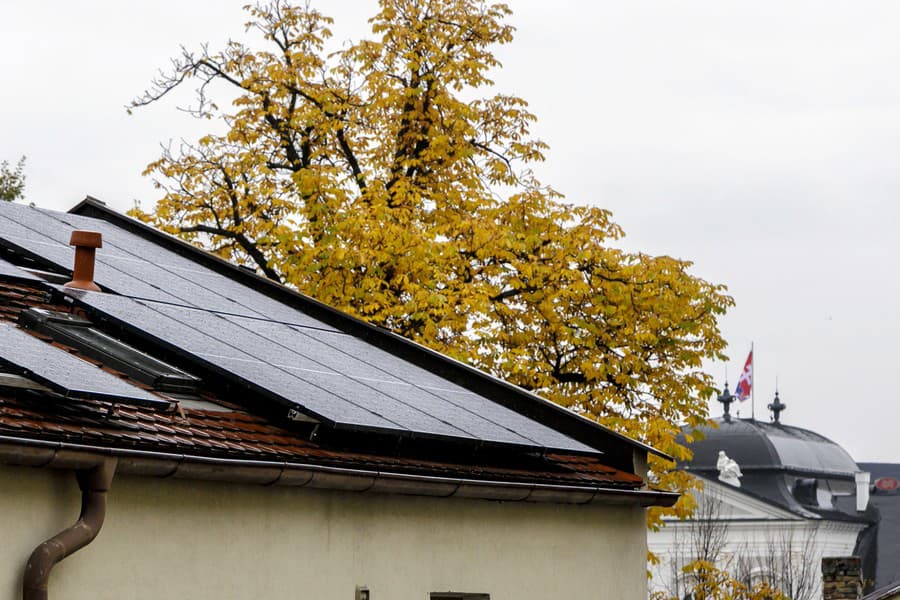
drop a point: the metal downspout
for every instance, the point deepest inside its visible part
(94, 482)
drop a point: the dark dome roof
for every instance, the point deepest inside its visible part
(759, 446)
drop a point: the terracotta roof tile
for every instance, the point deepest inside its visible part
(254, 437)
(240, 434)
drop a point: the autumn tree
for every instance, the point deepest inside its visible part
(12, 180)
(706, 563)
(710, 582)
(383, 179)
(791, 561)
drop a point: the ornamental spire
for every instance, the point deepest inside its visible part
(726, 398)
(776, 407)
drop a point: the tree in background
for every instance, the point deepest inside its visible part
(12, 181)
(707, 564)
(381, 180)
(710, 582)
(790, 562)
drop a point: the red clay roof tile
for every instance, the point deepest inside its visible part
(239, 434)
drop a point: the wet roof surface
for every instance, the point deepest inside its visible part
(294, 359)
(760, 445)
(773, 458)
(230, 429)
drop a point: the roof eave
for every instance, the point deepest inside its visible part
(54, 454)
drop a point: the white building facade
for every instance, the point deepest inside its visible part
(796, 501)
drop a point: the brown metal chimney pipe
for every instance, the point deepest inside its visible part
(94, 483)
(86, 244)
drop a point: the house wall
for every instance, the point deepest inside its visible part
(189, 539)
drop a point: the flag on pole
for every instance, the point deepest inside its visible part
(745, 382)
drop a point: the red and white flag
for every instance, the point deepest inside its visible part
(745, 382)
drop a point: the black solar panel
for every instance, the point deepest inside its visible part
(9, 270)
(269, 346)
(408, 383)
(318, 373)
(180, 328)
(64, 373)
(34, 225)
(305, 395)
(22, 237)
(262, 304)
(538, 433)
(133, 266)
(48, 238)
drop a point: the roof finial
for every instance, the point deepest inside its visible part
(726, 399)
(777, 405)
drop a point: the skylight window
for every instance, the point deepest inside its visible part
(80, 334)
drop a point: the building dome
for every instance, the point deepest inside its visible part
(770, 447)
(792, 466)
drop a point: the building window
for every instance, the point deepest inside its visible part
(458, 596)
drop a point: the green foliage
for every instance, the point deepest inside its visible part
(12, 181)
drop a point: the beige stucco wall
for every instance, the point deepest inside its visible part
(184, 539)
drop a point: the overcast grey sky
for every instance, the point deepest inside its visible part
(758, 139)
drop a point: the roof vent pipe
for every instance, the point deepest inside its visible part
(86, 244)
(862, 490)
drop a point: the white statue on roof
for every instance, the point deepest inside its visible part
(729, 471)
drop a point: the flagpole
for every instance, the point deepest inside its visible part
(752, 386)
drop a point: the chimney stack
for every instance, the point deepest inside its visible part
(86, 244)
(841, 578)
(862, 491)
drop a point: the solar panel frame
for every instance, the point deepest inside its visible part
(256, 353)
(135, 265)
(66, 374)
(7, 269)
(529, 429)
(598, 438)
(385, 379)
(278, 361)
(207, 352)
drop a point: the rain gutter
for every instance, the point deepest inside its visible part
(54, 454)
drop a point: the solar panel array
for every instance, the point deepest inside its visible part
(10, 270)
(281, 351)
(64, 373)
